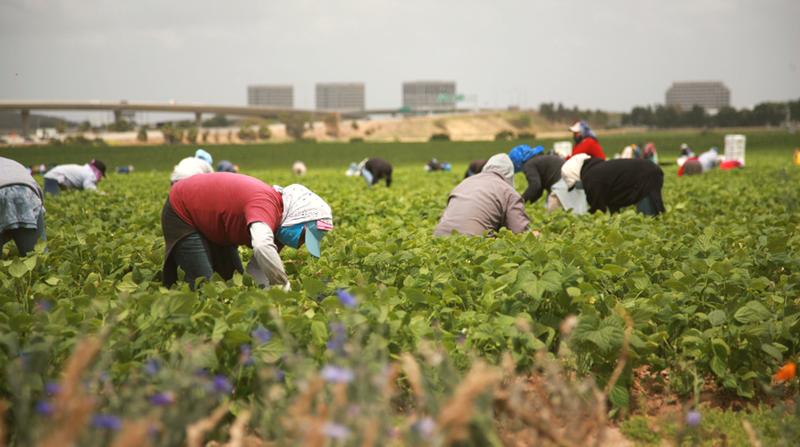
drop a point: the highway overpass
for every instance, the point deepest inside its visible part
(117, 107)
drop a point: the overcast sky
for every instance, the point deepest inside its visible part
(609, 54)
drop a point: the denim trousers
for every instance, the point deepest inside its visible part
(193, 255)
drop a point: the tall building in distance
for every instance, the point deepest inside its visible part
(429, 95)
(279, 96)
(710, 95)
(340, 97)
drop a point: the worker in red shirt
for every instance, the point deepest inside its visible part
(207, 217)
(586, 141)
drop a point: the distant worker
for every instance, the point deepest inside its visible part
(21, 207)
(616, 184)
(125, 169)
(72, 176)
(227, 166)
(375, 169)
(435, 165)
(685, 154)
(542, 171)
(475, 167)
(354, 170)
(586, 141)
(299, 168)
(199, 164)
(650, 152)
(206, 217)
(701, 164)
(485, 202)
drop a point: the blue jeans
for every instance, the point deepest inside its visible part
(193, 255)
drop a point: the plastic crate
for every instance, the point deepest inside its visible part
(562, 148)
(735, 148)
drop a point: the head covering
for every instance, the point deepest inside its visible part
(301, 206)
(99, 166)
(571, 169)
(203, 155)
(649, 149)
(522, 153)
(501, 164)
(583, 130)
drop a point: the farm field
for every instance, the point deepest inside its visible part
(394, 337)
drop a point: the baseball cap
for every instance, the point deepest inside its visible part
(575, 127)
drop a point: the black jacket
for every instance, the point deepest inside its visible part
(379, 168)
(542, 171)
(475, 168)
(614, 184)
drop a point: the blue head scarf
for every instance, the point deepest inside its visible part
(522, 153)
(584, 132)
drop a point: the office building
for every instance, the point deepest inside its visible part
(710, 95)
(279, 96)
(340, 97)
(429, 95)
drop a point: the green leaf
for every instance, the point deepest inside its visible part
(319, 332)
(752, 312)
(218, 333)
(717, 317)
(18, 269)
(772, 351)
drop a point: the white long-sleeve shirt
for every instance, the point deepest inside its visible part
(188, 167)
(74, 176)
(266, 266)
(708, 159)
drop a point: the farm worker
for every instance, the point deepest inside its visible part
(615, 184)
(189, 166)
(206, 218)
(586, 141)
(72, 176)
(21, 207)
(485, 202)
(627, 152)
(650, 152)
(686, 153)
(227, 166)
(375, 169)
(436, 165)
(475, 167)
(704, 162)
(541, 171)
(299, 168)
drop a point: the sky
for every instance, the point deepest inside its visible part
(610, 54)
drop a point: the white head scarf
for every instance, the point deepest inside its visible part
(301, 205)
(571, 170)
(501, 164)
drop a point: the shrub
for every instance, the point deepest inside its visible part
(440, 136)
(504, 135)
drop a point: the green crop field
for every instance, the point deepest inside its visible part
(708, 295)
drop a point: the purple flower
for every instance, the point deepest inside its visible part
(280, 375)
(693, 418)
(245, 355)
(151, 367)
(43, 306)
(338, 338)
(336, 374)
(162, 399)
(106, 421)
(104, 376)
(44, 408)
(222, 385)
(262, 335)
(335, 431)
(346, 299)
(425, 427)
(52, 388)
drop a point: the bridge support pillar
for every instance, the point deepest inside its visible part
(198, 119)
(26, 118)
(117, 116)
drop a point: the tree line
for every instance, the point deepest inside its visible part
(763, 114)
